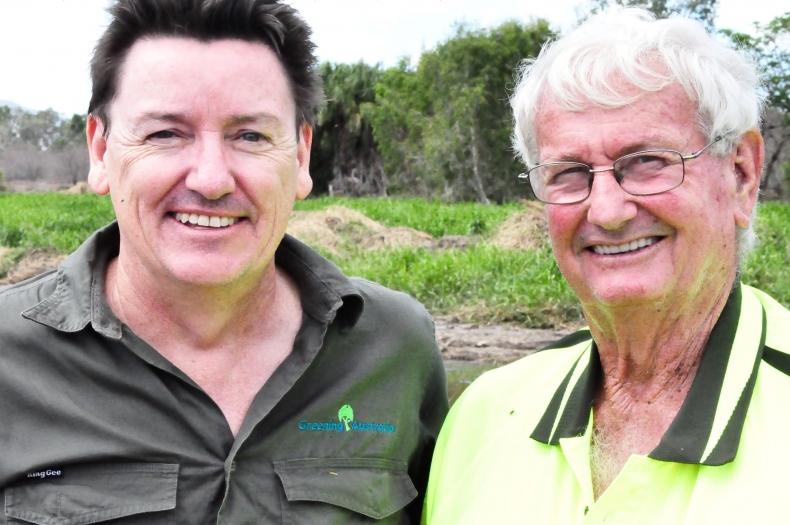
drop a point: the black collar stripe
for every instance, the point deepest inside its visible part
(576, 413)
(777, 359)
(727, 447)
(738, 382)
(703, 431)
(546, 424)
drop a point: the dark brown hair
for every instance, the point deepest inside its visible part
(270, 22)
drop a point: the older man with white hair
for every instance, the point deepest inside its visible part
(641, 138)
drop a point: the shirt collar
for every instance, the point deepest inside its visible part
(708, 426)
(79, 299)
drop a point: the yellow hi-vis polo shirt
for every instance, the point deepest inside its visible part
(516, 446)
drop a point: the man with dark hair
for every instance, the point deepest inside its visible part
(191, 363)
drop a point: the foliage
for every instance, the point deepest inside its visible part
(52, 219)
(443, 128)
(704, 11)
(43, 146)
(344, 153)
(432, 217)
(483, 283)
(767, 268)
(770, 47)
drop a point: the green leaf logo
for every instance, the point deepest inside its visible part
(346, 415)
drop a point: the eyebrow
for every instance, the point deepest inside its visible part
(653, 142)
(233, 120)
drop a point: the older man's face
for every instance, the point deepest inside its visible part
(691, 228)
(202, 160)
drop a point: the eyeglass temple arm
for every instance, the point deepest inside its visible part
(698, 153)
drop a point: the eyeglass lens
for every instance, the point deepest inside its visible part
(645, 173)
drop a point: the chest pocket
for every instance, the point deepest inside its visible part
(122, 494)
(344, 491)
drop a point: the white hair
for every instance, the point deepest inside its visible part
(601, 61)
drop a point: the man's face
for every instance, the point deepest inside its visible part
(691, 230)
(206, 132)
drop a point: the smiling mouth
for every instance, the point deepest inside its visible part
(629, 247)
(207, 221)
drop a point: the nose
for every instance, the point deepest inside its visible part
(609, 206)
(211, 175)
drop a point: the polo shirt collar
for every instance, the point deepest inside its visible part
(79, 299)
(708, 426)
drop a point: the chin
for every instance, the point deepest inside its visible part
(623, 291)
(209, 271)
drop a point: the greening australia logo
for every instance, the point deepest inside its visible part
(346, 422)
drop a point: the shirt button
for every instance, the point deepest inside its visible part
(233, 466)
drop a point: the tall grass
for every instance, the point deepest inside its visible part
(768, 268)
(483, 283)
(433, 217)
(51, 219)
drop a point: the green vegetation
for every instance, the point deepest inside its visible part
(768, 267)
(432, 217)
(53, 219)
(483, 283)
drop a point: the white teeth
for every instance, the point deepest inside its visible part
(602, 249)
(205, 220)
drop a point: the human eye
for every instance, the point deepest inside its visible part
(252, 137)
(563, 174)
(165, 134)
(650, 161)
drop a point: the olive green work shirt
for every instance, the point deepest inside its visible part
(97, 427)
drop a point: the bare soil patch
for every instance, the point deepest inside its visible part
(34, 262)
(491, 344)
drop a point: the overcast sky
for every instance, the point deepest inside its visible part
(45, 45)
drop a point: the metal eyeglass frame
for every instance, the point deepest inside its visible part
(525, 176)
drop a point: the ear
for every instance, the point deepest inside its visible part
(304, 183)
(749, 154)
(97, 147)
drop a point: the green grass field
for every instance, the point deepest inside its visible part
(483, 283)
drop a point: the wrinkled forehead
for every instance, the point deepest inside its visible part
(664, 118)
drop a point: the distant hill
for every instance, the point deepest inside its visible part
(13, 105)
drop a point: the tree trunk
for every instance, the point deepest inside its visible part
(478, 183)
(769, 167)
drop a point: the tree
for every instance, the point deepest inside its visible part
(703, 11)
(344, 153)
(444, 127)
(346, 415)
(43, 146)
(770, 47)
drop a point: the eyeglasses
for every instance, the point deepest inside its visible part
(643, 173)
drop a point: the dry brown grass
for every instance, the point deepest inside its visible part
(525, 230)
(337, 227)
(34, 262)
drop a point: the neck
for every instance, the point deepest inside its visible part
(650, 354)
(197, 316)
(655, 343)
